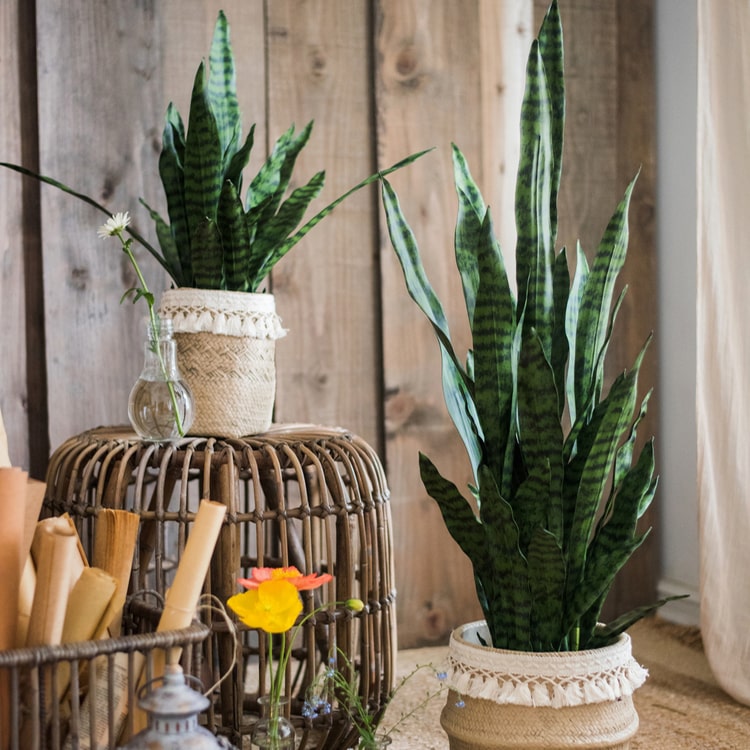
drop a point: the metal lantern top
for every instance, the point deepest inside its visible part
(172, 709)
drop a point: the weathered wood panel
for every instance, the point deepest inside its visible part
(327, 287)
(13, 387)
(428, 94)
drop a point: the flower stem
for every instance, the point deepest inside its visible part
(154, 323)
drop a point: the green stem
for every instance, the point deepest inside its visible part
(154, 332)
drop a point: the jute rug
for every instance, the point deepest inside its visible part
(681, 707)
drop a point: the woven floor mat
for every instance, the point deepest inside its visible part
(681, 707)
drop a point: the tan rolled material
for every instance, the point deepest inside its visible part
(182, 598)
(56, 557)
(12, 497)
(114, 545)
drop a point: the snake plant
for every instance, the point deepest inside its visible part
(214, 238)
(558, 490)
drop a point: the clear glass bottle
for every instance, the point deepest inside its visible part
(273, 731)
(160, 406)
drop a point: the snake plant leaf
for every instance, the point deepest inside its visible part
(547, 585)
(222, 87)
(534, 249)
(571, 326)
(595, 395)
(234, 238)
(203, 157)
(86, 199)
(594, 313)
(535, 506)
(240, 160)
(456, 383)
(471, 213)
(606, 634)
(459, 401)
(583, 604)
(171, 172)
(208, 266)
(458, 515)
(315, 220)
(285, 152)
(289, 215)
(168, 246)
(592, 465)
(551, 51)
(540, 430)
(511, 606)
(559, 348)
(492, 337)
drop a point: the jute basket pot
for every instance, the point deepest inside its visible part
(226, 347)
(535, 701)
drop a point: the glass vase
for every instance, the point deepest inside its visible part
(160, 406)
(273, 731)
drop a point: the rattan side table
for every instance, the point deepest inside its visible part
(303, 495)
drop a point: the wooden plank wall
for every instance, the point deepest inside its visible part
(381, 79)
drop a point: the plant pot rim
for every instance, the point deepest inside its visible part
(222, 312)
(535, 678)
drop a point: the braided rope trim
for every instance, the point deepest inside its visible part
(220, 312)
(557, 680)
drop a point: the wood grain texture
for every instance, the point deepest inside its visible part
(428, 94)
(327, 287)
(13, 389)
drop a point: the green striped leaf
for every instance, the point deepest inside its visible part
(596, 302)
(269, 235)
(222, 88)
(547, 585)
(208, 265)
(571, 326)
(509, 616)
(203, 159)
(234, 239)
(540, 431)
(551, 51)
(494, 357)
(535, 249)
(458, 515)
(471, 213)
(168, 246)
(456, 384)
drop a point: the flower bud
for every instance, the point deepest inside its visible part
(355, 605)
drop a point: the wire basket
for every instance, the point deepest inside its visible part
(79, 696)
(307, 496)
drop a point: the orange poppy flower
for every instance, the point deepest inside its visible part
(290, 574)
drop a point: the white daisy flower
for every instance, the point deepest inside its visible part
(115, 225)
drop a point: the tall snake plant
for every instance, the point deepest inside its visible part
(214, 239)
(554, 509)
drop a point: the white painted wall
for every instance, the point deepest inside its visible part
(676, 91)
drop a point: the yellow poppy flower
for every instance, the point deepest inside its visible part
(273, 606)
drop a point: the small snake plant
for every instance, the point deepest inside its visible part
(213, 239)
(558, 491)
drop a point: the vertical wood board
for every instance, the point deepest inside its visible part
(428, 94)
(13, 390)
(326, 287)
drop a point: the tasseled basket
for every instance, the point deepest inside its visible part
(539, 701)
(226, 346)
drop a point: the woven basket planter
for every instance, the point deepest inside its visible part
(226, 350)
(539, 701)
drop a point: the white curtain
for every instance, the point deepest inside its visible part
(723, 338)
